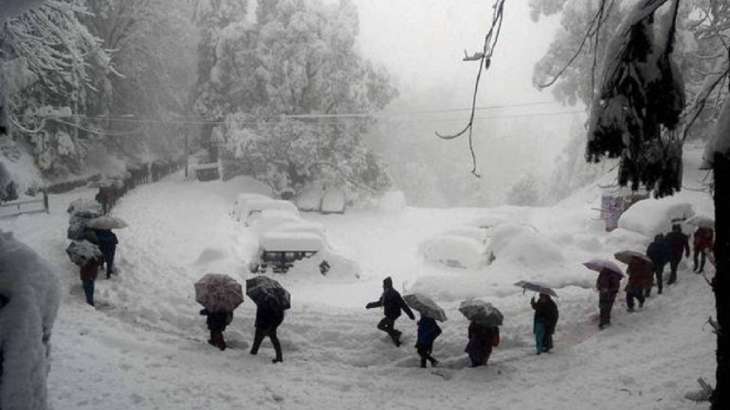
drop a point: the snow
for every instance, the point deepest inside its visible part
(270, 219)
(310, 199)
(145, 346)
(720, 142)
(26, 323)
(393, 201)
(333, 201)
(253, 206)
(455, 251)
(14, 8)
(240, 206)
(291, 241)
(652, 217)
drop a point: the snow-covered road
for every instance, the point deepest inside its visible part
(144, 348)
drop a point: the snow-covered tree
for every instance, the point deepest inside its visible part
(51, 60)
(292, 58)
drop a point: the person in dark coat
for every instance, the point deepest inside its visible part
(608, 284)
(108, 246)
(678, 244)
(217, 323)
(428, 331)
(659, 253)
(392, 304)
(702, 243)
(268, 319)
(546, 318)
(88, 273)
(482, 339)
(640, 279)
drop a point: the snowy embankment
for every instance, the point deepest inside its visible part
(145, 346)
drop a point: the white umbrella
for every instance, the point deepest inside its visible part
(106, 222)
(426, 306)
(601, 264)
(628, 256)
(81, 252)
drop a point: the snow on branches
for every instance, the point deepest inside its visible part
(637, 109)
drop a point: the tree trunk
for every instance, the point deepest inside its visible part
(721, 282)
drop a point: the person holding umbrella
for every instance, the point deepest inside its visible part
(217, 323)
(483, 331)
(88, 273)
(271, 300)
(607, 284)
(640, 281)
(220, 295)
(428, 329)
(107, 241)
(392, 304)
(544, 322)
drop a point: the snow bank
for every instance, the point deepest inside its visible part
(310, 199)
(240, 206)
(258, 205)
(269, 219)
(524, 246)
(393, 201)
(651, 217)
(455, 251)
(26, 321)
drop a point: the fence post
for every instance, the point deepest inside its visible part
(45, 202)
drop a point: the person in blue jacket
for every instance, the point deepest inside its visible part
(108, 247)
(392, 304)
(428, 331)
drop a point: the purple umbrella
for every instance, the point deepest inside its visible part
(218, 292)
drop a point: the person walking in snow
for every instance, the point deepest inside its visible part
(640, 279)
(107, 241)
(392, 304)
(678, 244)
(428, 331)
(268, 319)
(659, 253)
(217, 323)
(88, 273)
(544, 322)
(608, 284)
(703, 242)
(482, 339)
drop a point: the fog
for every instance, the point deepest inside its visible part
(422, 45)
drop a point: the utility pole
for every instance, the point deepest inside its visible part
(187, 155)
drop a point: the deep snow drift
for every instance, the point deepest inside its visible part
(145, 345)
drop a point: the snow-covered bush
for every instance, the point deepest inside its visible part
(455, 251)
(31, 297)
(654, 216)
(334, 201)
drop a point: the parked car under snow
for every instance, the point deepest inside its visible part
(456, 250)
(279, 251)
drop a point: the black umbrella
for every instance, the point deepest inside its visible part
(481, 312)
(264, 290)
(536, 287)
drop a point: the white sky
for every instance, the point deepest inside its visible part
(422, 42)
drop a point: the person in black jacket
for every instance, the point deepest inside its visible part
(392, 304)
(268, 319)
(217, 322)
(659, 253)
(428, 331)
(546, 318)
(107, 242)
(482, 339)
(678, 243)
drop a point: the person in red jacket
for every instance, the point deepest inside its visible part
(703, 243)
(607, 284)
(88, 276)
(641, 278)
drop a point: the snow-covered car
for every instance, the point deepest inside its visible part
(279, 250)
(255, 206)
(455, 250)
(270, 219)
(240, 205)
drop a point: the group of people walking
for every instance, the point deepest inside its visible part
(664, 249)
(268, 320)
